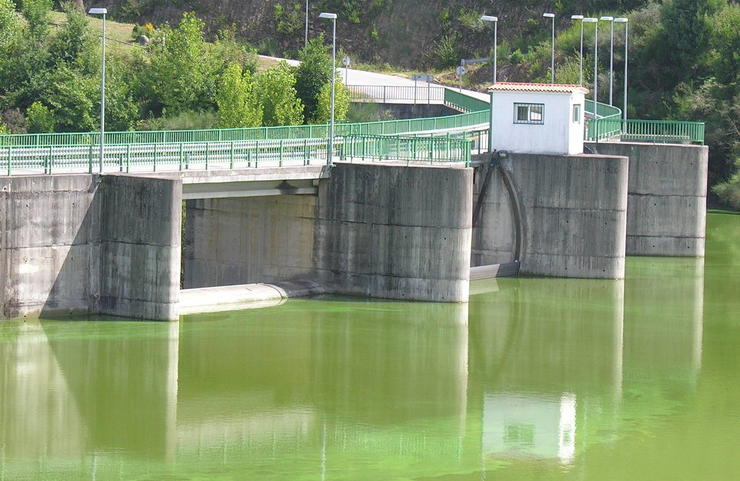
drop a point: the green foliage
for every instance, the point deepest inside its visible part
(341, 103)
(289, 19)
(121, 107)
(40, 119)
(237, 104)
(446, 52)
(191, 120)
(37, 14)
(8, 21)
(729, 191)
(72, 98)
(75, 44)
(3, 129)
(312, 74)
(275, 88)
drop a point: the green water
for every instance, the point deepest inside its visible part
(535, 379)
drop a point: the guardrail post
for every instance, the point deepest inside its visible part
(280, 153)
(181, 156)
(305, 152)
(10, 150)
(231, 157)
(89, 160)
(128, 158)
(207, 152)
(155, 157)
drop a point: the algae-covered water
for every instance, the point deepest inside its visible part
(534, 379)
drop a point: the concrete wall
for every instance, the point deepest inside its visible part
(495, 228)
(49, 249)
(248, 240)
(81, 244)
(395, 232)
(666, 210)
(572, 212)
(140, 221)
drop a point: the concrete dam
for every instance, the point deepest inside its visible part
(134, 245)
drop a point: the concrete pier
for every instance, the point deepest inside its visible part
(667, 203)
(561, 215)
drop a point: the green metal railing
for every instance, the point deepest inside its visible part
(465, 102)
(242, 154)
(666, 131)
(411, 149)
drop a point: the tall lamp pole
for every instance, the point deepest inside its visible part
(611, 59)
(625, 21)
(552, 61)
(333, 18)
(580, 18)
(103, 12)
(305, 44)
(595, 21)
(488, 18)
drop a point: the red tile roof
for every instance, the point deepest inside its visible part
(533, 87)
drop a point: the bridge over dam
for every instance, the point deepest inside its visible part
(410, 209)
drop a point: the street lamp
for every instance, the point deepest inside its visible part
(580, 17)
(595, 21)
(103, 12)
(611, 58)
(306, 41)
(625, 21)
(488, 18)
(552, 62)
(333, 18)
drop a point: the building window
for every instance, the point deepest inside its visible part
(529, 114)
(577, 113)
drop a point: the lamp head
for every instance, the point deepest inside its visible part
(590, 20)
(98, 11)
(488, 18)
(329, 16)
(548, 15)
(576, 17)
(621, 20)
(607, 19)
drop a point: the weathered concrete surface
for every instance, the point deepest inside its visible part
(666, 210)
(395, 232)
(249, 296)
(245, 241)
(84, 244)
(49, 249)
(494, 236)
(140, 221)
(572, 214)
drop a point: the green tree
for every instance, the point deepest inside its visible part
(3, 129)
(237, 104)
(312, 74)
(72, 98)
(341, 103)
(75, 45)
(175, 77)
(37, 14)
(275, 88)
(40, 119)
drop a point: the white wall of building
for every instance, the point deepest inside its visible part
(559, 134)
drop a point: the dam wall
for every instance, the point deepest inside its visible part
(557, 215)
(667, 203)
(84, 244)
(399, 232)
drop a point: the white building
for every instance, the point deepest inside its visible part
(538, 118)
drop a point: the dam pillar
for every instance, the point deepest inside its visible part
(398, 232)
(667, 204)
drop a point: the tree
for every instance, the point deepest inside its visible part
(237, 104)
(37, 14)
(275, 88)
(40, 119)
(312, 74)
(341, 103)
(75, 44)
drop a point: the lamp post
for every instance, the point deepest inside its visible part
(595, 21)
(552, 61)
(611, 59)
(103, 12)
(333, 18)
(494, 20)
(305, 44)
(580, 17)
(625, 21)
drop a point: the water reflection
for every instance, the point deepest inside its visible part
(531, 371)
